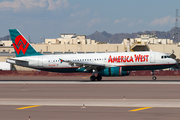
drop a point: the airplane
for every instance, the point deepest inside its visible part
(99, 64)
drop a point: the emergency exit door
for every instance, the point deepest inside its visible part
(152, 57)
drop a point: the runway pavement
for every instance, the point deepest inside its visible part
(88, 113)
(82, 99)
(86, 78)
(168, 103)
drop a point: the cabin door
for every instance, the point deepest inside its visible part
(152, 58)
(40, 61)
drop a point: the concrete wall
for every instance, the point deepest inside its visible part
(6, 49)
(165, 48)
(4, 58)
(79, 47)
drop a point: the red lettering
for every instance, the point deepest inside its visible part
(127, 59)
(143, 58)
(136, 58)
(131, 59)
(110, 59)
(118, 60)
(147, 58)
(122, 58)
(114, 59)
(140, 57)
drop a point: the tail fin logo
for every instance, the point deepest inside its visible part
(20, 44)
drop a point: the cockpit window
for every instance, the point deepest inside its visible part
(162, 57)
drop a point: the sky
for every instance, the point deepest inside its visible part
(48, 18)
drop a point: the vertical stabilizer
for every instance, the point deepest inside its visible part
(21, 46)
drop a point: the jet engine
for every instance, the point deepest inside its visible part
(113, 71)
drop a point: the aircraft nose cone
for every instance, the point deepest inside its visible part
(174, 61)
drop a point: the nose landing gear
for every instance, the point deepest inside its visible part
(154, 77)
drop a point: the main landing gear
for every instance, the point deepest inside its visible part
(98, 78)
(93, 78)
(154, 77)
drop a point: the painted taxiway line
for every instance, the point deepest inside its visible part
(95, 102)
(27, 107)
(89, 82)
(138, 109)
(21, 108)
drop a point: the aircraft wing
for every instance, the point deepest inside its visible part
(87, 65)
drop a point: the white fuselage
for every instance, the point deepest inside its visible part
(127, 60)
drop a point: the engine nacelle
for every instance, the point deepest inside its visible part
(125, 73)
(113, 71)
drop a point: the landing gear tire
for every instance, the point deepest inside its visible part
(93, 78)
(154, 78)
(99, 78)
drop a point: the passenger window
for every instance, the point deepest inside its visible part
(164, 56)
(161, 57)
